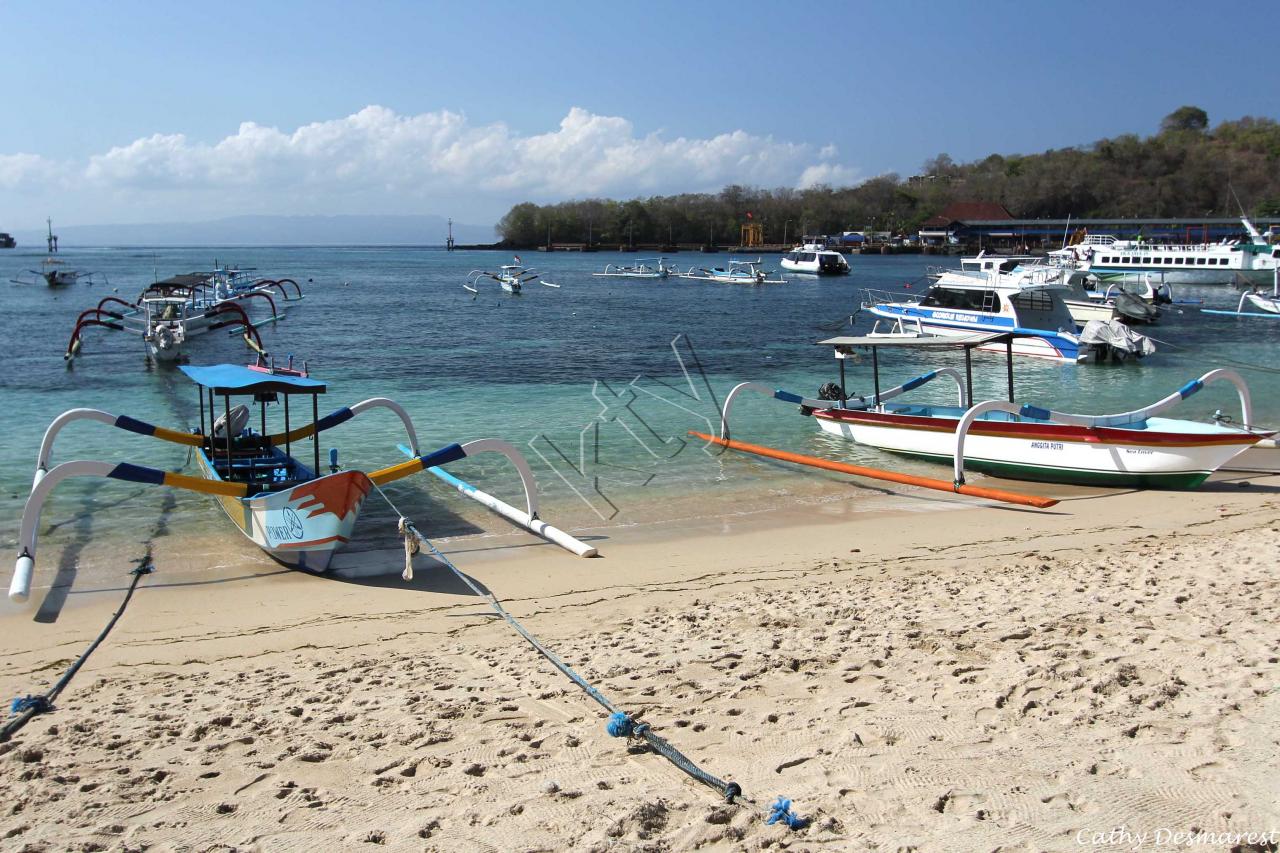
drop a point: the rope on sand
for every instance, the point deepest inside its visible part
(620, 724)
(27, 707)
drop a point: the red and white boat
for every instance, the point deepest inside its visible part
(1140, 448)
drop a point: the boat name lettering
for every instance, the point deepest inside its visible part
(290, 528)
(1046, 445)
(1140, 451)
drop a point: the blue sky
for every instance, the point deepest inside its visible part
(131, 111)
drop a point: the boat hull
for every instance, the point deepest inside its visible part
(302, 526)
(1206, 276)
(1169, 454)
(1051, 345)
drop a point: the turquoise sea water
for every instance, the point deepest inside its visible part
(596, 381)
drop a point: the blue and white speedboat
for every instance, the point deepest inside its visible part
(961, 306)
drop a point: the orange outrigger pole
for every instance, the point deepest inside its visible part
(877, 474)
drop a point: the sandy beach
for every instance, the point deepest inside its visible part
(978, 679)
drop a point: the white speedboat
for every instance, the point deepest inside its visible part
(1107, 257)
(816, 259)
(1129, 302)
(966, 304)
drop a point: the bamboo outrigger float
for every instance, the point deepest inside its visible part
(297, 513)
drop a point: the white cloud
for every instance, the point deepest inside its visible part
(27, 171)
(377, 158)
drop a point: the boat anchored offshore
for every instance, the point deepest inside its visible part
(511, 277)
(737, 272)
(54, 273)
(1139, 448)
(815, 258)
(296, 512)
(168, 313)
(642, 268)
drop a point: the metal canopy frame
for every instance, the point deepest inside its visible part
(846, 344)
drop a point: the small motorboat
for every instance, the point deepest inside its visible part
(961, 304)
(813, 257)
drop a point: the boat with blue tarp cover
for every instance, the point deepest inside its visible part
(299, 513)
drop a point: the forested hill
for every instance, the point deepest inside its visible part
(1186, 169)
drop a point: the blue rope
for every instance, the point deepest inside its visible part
(38, 703)
(27, 707)
(620, 724)
(780, 810)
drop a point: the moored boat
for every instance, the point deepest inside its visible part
(815, 258)
(296, 512)
(168, 313)
(1107, 257)
(641, 268)
(510, 277)
(736, 272)
(1139, 448)
(965, 304)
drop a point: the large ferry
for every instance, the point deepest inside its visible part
(7, 242)
(1104, 256)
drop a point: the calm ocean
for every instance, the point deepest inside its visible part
(597, 381)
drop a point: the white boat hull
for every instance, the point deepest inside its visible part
(302, 526)
(1161, 456)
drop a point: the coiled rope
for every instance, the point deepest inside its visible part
(620, 723)
(27, 707)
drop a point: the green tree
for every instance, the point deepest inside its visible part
(1185, 118)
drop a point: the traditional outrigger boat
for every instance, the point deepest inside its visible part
(53, 273)
(297, 513)
(1138, 448)
(170, 312)
(642, 268)
(512, 277)
(1262, 304)
(737, 272)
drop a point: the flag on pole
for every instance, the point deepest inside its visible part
(749, 214)
(518, 261)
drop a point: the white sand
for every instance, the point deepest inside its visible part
(982, 679)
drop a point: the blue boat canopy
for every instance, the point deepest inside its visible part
(237, 379)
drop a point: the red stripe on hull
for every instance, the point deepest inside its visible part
(1037, 430)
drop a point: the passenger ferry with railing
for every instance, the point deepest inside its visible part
(1105, 256)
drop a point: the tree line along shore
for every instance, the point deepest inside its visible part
(1186, 169)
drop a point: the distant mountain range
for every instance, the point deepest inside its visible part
(424, 230)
